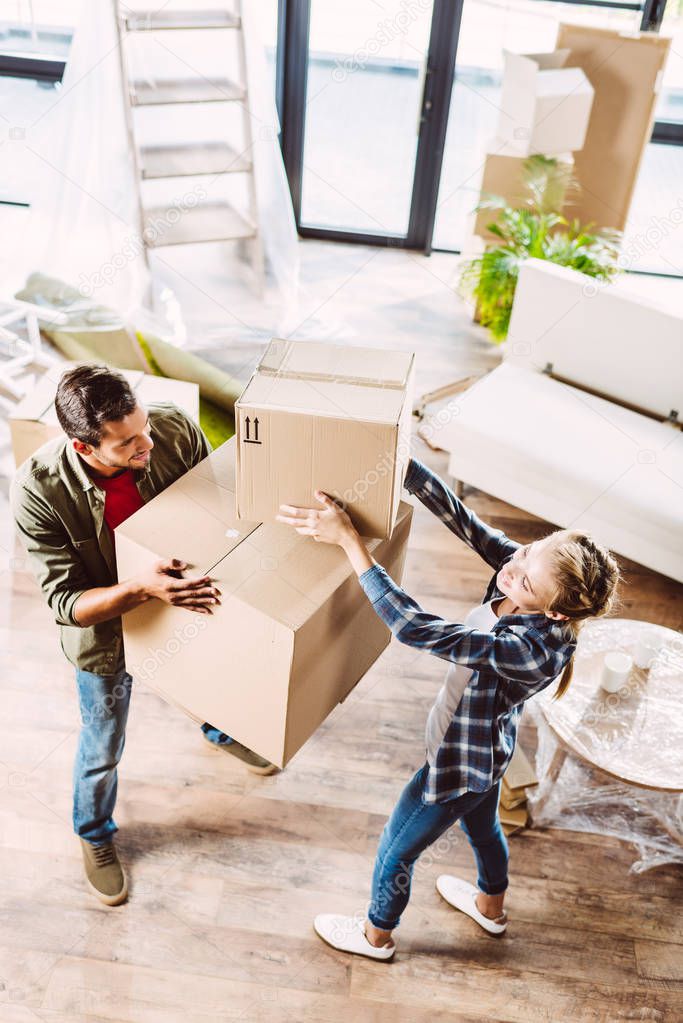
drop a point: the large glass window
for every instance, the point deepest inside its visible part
(363, 99)
(653, 239)
(35, 37)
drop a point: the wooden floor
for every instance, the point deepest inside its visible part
(227, 870)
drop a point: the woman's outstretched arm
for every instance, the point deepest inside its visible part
(490, 544)
(511, 653)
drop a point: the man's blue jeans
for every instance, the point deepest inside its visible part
(414, 826)
(104, 702)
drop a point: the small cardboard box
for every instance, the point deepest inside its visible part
(34, 421)
(520, 773)
(510, 799)
(329, 417)
(513, 820)
(503, 175)
(294, 632)
(545, 106)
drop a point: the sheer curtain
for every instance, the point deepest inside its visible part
(73, 161)
(83, 225)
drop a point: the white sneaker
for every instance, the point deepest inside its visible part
(461, 895)
(347, 933)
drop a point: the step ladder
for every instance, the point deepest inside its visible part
(206, 220)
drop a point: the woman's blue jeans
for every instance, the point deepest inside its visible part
(414, 826)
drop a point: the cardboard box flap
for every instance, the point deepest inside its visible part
(267, 572)
(217, 502)
(295, 577)
(307, 360)
(323, 398)
(197, 524)
(522, 69)
(546, 61)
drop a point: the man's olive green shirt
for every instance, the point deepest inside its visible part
(59, 512)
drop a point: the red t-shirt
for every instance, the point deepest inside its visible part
(121, 497)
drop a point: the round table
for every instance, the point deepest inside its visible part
(634, 737)
(635, 734)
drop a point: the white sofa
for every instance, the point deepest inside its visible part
(565, 454)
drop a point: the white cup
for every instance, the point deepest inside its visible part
(647, 648)
(616, 669)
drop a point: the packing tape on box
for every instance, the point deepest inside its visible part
(333, 378)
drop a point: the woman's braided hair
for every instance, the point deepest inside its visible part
(586, 577)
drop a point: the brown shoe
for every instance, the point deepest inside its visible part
(252, 761)
(104, 873)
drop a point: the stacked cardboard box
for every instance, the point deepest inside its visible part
(328, 417)
(602, 124)
(34, 421)
(503, 175)
(545, 104)
(545, 109)
(294, 632)
(519, 776)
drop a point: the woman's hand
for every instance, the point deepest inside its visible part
(328, 524)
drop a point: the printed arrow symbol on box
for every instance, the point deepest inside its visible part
(248, 439)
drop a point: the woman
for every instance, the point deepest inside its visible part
(509, 647)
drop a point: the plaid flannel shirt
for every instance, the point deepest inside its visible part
(520, 656)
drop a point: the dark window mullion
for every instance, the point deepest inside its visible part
(436, 101)
(653, 15)
(291, 81)
(667, 133)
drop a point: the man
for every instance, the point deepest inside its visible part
(67, 500)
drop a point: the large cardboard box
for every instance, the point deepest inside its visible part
(294, 632)
(503, 175)
(545, 107)
(626, 71)
(329, 417)
(34, 421)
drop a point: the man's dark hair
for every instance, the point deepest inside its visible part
(90, 396)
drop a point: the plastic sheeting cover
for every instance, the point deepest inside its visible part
(612, 764)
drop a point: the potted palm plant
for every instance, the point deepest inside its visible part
(535, 229)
